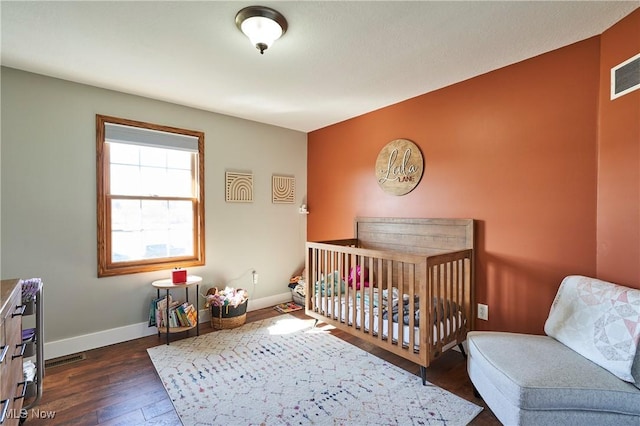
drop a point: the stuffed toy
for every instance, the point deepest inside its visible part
(355, 274)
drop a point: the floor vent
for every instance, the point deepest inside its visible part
(63, 360)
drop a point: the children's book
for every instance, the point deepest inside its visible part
(287, 307)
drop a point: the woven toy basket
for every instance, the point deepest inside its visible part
(225, 317)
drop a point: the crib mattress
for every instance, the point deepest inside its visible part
(346, 315)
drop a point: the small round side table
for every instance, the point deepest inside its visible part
(167, 284)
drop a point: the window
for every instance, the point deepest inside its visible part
(150, 185)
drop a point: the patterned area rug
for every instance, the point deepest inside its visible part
(282, 371)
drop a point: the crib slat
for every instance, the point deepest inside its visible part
(437, 341)
(424, 302)
(388, 322)
(379, 281)
(326, 299)
(401, 291)
(448, 294)
(360, 301)
(369, 292)
(412, 306)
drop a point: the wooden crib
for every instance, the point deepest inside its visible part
(405, 285)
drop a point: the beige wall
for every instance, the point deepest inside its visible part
(49, 205)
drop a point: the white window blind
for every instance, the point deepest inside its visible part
(118, 133)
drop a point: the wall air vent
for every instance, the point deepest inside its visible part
(625, 77)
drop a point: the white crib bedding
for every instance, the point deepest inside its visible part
(446, 325)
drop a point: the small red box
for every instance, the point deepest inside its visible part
(179, 276)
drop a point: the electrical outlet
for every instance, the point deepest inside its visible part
(483, 312)
(255, 277)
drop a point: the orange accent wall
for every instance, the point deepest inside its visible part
(618, 238)
(515, 149)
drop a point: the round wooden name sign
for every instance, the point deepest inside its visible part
(399, 167)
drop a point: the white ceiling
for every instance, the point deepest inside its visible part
(337, 60)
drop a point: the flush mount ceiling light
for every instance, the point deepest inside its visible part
(262, 25)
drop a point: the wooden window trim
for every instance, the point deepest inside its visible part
(105, 266)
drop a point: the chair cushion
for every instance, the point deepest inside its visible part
(600, 321)
(539, 373)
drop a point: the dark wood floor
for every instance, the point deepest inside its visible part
(117, 384)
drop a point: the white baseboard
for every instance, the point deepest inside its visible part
(86, 342)
(99, 339)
